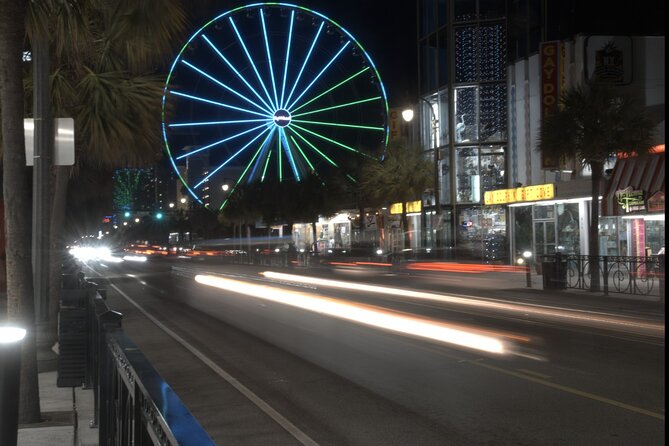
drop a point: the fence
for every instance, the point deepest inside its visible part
(617, 274)
(133, 405)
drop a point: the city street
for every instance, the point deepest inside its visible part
(256, 369)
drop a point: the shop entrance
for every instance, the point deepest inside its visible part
(544, 238)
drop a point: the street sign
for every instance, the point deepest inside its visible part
(64, 141)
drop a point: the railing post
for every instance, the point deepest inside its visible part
(605, 272)
(106, 321)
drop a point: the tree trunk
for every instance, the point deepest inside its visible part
(17, 199)
(313, 232)
(405, 227)
(56, 248)
(593, 233)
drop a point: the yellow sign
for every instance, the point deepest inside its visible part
(411, 206)
(520, 194)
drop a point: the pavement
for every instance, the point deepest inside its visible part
(68, 412)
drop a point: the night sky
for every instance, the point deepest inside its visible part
(386, 30)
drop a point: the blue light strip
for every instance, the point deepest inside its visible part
(219, 142)
(263, 146)
(241, 177)
(319, 75)
(269, 57)
(306, 59)
(224, 86)
(285, 68)
(239, 75)
(241, 121)
(253, 65)
(232, 157)
(219, 104)
(286, 149)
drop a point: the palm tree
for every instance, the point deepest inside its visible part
(16, 195)
(403, 175)
(104, 59)
(595, 122)
(105, 56)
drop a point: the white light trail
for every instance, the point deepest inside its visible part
(363, 314)
(578, 316)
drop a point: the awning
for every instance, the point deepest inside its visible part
(634, 182)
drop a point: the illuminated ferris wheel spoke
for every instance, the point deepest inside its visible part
(261, 150)
(219, 142)
(285, 68)
(348, 104)
(264, 171)
(269, 57)
(304, 64)
(218, 104)
(335, 124)
(239, 121)
(327, 139)
(330, 89)
(241, 177)
(253, 65)
(231, 90)
(233, 156)
(314, 148)
(306, 159)
(319, 75)
(239, 75)
(289, 154)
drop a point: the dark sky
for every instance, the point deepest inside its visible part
(385, 29)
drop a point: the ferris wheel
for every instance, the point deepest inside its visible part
(269, 91)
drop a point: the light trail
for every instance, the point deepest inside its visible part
(364, 314)
(570, 315)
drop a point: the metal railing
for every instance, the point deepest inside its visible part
(133, 404)
(642, 276)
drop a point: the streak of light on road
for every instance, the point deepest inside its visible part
(367, 315)
(581, 317)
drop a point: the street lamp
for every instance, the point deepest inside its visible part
(408, 115)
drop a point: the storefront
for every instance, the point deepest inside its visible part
(632, 222)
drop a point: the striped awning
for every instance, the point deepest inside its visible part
(645, 173)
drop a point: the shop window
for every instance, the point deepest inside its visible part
(568, 228)
(608, 236)
(493, 107)
(466, 117)
(492, 168)
(481, 234)
(467, 173)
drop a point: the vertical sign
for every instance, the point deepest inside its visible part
(394, 124)
(549, 89)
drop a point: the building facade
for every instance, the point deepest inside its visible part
(488, 70)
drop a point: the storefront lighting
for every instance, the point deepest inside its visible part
(649, 217)
(548, 202)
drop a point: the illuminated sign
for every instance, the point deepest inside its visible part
(411, 206)
(549, 90)
(520, 194)
(631, 200)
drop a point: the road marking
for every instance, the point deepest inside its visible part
(255, 399)
(573, 391)
(533, 373)
(480, 362)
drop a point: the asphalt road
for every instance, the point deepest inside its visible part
(256, 371)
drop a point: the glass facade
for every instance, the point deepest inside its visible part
(472, 98)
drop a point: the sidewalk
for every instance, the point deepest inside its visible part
(67, 412)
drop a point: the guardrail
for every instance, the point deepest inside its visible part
(133, 404)
(618, 274)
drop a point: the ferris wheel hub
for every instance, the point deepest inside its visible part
(282, 117)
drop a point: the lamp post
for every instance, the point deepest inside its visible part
(408, 115)
(11, 340)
